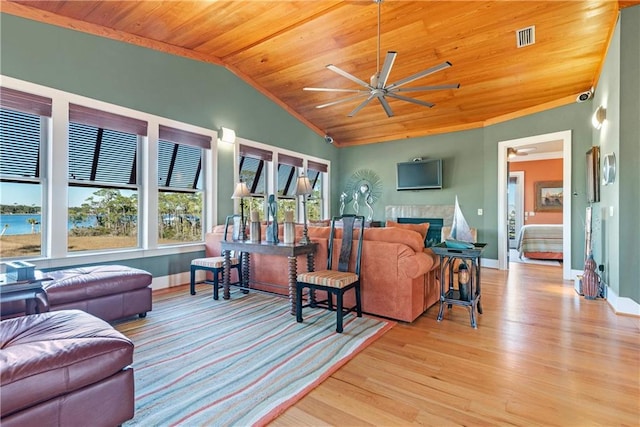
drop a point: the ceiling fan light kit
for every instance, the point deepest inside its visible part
(378, 88)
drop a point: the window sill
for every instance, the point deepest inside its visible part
(114, 256)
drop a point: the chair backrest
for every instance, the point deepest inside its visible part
(234, 221)
(350, 223)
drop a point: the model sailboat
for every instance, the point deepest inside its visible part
(460, 235)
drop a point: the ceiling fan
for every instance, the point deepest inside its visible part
(513, 152)
(378, 87)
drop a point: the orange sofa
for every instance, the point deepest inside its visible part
(398, 274)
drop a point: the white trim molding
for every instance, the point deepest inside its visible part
(622, 305)
(503, 239)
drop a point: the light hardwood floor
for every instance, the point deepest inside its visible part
(542, 355)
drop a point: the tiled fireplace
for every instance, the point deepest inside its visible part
(436, 215)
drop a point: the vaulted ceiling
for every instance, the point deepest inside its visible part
(280, 47)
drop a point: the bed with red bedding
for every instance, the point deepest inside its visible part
(540, 241)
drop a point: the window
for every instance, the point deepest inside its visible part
(82, 177)
(256, 168)
(180, 198)
(24, 120)
(103, 179)
(315, 171)
(287, 177)
(252, 166)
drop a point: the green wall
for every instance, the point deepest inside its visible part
(169, 86)
(629, 158)
(157, 83)
(616, 232)
(470, 169)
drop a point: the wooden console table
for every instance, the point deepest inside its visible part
(291, 251)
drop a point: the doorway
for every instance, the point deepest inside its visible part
(503, 237)
(515, 207)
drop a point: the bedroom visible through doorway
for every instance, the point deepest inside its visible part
(531, 148)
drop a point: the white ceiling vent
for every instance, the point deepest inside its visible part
(526, 36)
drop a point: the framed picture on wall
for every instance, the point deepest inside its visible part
(548, 196)
(593, 175)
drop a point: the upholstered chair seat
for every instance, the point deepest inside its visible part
(329, 278)
(215, 265)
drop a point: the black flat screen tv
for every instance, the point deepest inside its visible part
(419, 175)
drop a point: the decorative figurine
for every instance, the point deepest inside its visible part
(343, 200)
(364, 187)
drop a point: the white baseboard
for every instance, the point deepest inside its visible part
(622, 305)
(489, 263)
(164, 282)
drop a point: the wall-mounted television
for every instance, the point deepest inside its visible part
(419, 175)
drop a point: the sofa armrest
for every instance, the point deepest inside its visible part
(417, 265)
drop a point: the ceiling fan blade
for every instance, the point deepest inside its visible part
(385, 105)
(421, 74)
(423, 88)
(330, 89)
(525, 149)
(349, 76)
(340, 101)
(415, 101)
(386, 68)
(361, 106)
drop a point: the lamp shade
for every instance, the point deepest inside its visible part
(303, 186)
(241, 191)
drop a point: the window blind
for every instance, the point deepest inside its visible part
(19, 144)
(255, 153)
(25, 102)
(102, 119)
(320, 167)
(286, 159)
(180, 136)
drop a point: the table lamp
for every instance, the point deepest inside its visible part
(303, 188)
(241, 191)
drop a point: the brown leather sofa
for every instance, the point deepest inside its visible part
(64, 368)
(398, 273)
(109, 292)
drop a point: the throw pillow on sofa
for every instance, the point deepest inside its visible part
(422, 228)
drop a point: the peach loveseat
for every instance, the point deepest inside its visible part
(398, 274)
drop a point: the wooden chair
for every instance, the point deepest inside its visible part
(339, 280)
(215, 264)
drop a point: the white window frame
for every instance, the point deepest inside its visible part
(272, 175)
(55, 181)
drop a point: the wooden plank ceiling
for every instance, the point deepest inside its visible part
(280, 47)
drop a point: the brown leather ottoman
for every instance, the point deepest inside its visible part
(64, 368)
(109, 292)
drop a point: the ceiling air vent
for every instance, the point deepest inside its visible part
(526, 36)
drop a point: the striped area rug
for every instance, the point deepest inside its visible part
(241, 361)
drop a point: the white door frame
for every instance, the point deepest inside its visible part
(503, 238)
(519, 202)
